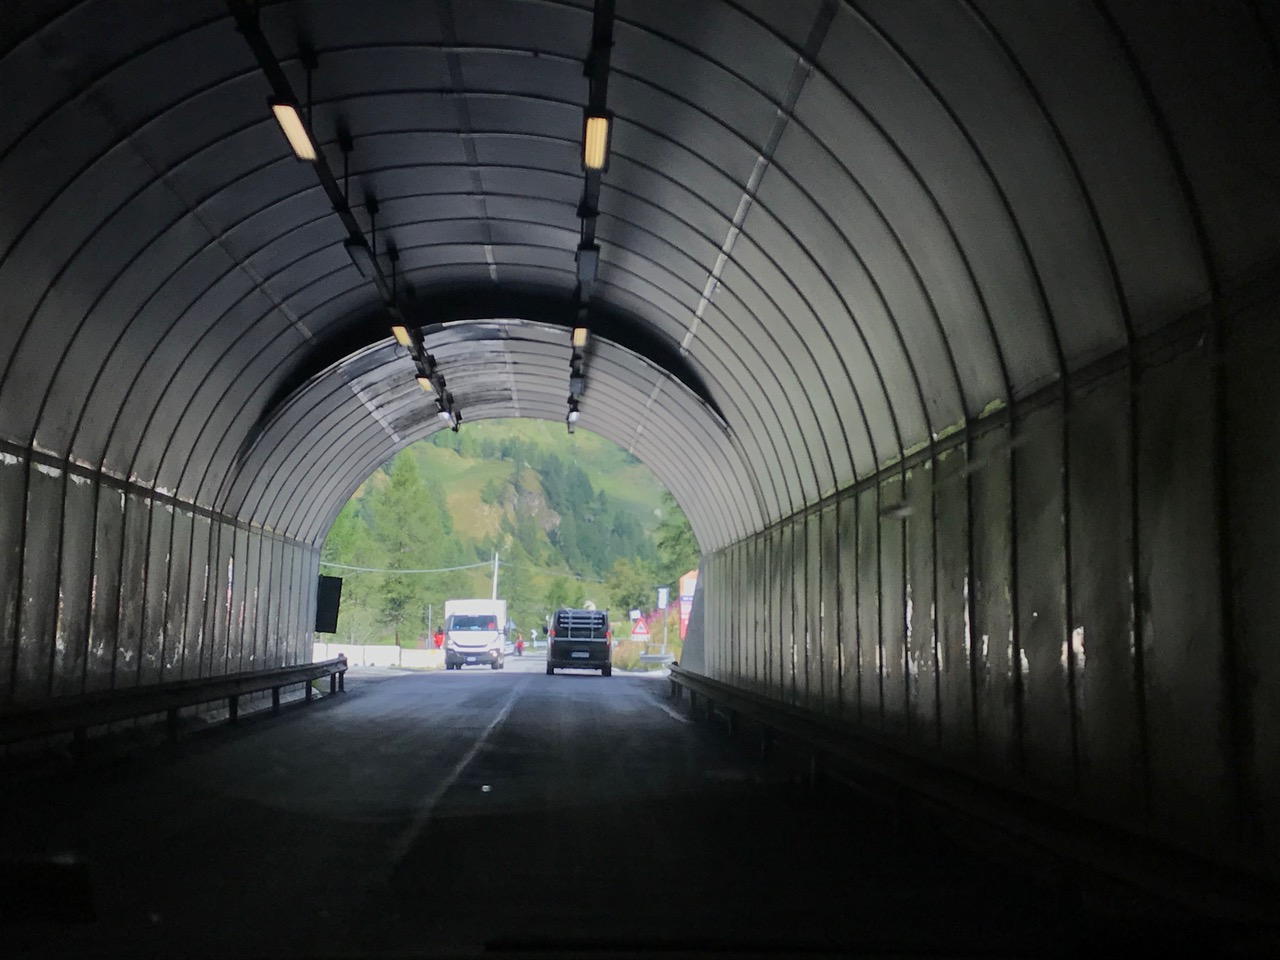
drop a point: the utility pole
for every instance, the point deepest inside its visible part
(495, 576)
(664, 595)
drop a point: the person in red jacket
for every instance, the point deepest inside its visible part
(519, 644)
(439, 638)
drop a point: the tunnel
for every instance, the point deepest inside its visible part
(951, 326)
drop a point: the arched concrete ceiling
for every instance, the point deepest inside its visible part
(318, 447)
(849, 226)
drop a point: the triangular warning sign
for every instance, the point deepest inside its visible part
(639, 630)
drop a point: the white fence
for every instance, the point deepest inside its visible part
(380, 655)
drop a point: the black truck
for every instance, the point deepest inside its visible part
(580, 639)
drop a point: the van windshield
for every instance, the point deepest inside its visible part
(472, 622)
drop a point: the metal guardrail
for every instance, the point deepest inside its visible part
(77, 714)
(1053, 829)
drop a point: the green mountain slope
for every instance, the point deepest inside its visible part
(624, 479)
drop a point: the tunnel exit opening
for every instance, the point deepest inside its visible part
(521, 511)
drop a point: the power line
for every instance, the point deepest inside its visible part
(469, 566)
(343, 566)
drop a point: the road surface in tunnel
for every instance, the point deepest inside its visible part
(453, 813)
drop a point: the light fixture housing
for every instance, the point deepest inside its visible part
(295, 131)
(588, 262)
(401, 333)
(597, 132)
(579, 337)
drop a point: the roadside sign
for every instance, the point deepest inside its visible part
(639, 630)
(664, 594)
(688, 585)
(635, 615)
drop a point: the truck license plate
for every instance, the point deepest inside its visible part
(580, 653)
(471, 659)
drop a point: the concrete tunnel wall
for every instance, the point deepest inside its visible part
(107, 584)
(1042, 602)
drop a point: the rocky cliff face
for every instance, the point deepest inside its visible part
(533, 503)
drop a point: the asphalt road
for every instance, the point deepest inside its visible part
(463, 812)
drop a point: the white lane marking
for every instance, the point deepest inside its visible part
(671, 712)
(425, 809)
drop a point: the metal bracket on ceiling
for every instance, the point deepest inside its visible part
(371, 207)
(346, 145)
(393, 254)
(595, 68)
(310, 61)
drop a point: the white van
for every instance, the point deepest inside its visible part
(475, 633)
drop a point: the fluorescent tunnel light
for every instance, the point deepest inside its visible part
(295, 130)
(401, 333)
(595, 142)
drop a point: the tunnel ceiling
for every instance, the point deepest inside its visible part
(319, 446)
(829, 231)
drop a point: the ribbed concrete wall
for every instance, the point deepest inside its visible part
(108, 584)
(1044, 601)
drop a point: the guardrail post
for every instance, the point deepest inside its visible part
(275, 699)
(171, 721)
(731, 721)
(233, 708)
(333, 683)
(693, 703)
(342, 681)
(310, 691)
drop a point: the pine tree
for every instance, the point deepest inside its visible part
(407, 524)
(678, 550)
